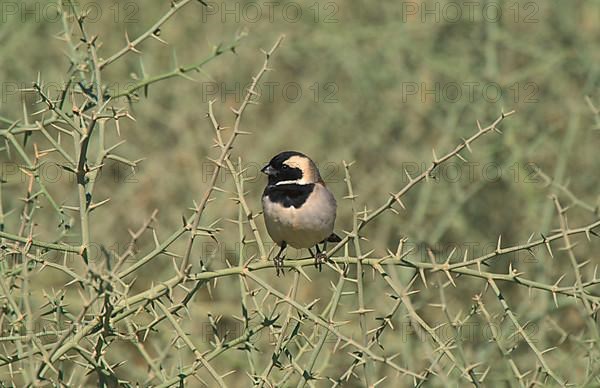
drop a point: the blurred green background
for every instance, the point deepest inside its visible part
(378, 83)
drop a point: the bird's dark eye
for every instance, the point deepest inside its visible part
(284, 167)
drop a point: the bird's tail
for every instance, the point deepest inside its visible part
(333, 238)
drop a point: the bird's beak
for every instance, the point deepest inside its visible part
(268, 170)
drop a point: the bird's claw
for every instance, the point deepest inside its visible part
(278, 262)
(320, 258)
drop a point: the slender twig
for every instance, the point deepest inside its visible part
(132, 45)
(178, 72)
(524, 334)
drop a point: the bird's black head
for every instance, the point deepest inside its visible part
(288, 166)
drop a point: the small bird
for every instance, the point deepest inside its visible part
(299, 209)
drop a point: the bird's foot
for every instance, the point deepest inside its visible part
(278, 262)
(320, 258)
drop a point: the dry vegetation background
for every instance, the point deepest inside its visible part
(486, 278)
